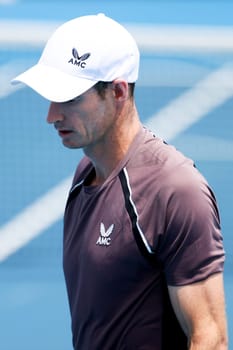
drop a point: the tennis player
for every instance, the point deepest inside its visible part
(143, 251)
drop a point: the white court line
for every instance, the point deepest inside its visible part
(170, 121)
(194, 104)
(152, 38)
(33, 220)
(27, 33)
(184, 38)
(7, 72)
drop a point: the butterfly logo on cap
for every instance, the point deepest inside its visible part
(77, 60)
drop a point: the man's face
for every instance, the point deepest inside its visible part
(84, 121)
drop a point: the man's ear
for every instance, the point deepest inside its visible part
(121, 89)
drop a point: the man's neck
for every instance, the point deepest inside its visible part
(106, 155)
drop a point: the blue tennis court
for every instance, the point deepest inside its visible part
(185, 94)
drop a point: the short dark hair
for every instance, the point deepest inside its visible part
(101, 87)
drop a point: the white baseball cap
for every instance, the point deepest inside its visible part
(80, 53)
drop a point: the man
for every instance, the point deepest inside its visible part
(143, 253)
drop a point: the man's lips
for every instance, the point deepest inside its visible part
(63, 133)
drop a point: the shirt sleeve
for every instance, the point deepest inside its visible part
(191, 246)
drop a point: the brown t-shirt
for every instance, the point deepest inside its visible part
(154, 220)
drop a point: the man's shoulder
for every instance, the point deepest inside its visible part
(162, 169)
(154, 154)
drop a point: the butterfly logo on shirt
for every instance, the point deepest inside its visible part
(104, 238)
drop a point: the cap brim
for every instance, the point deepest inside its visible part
(53, 84)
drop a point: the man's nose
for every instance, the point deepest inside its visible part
(54, 113)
